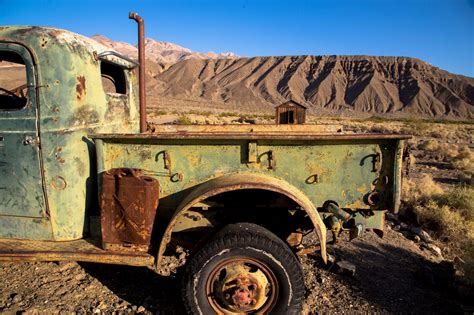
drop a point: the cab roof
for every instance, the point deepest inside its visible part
(30, 34)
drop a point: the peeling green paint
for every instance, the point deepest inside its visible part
(342, 167)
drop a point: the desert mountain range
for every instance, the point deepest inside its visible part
(347, 85)
(160, 52)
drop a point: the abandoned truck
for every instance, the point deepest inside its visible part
(82, 179)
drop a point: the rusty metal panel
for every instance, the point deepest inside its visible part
(281, 130)
(128, 207)
(252, 135)
(80, 250)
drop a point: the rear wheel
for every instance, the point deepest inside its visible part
(244, 269)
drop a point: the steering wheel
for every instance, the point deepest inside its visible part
(14, 92)
(20, 90)
(18, 95)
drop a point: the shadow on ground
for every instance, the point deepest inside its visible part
(140, 286)
(397, 279)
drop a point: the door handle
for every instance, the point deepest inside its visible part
(30, 140)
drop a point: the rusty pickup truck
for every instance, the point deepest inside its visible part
(82, 179)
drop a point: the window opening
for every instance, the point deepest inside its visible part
(13, 82)
(113, 78)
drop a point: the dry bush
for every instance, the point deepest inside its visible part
(415, 128)
(385, 128)
(465, 153)
(446, 222)
(448, 151)
(429, 145)
(448, 214)
(460, 198)
(463, 164)
(183, 120)
(459, 158)
(420, 190)
(464, 161)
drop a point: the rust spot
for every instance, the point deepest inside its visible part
(83, 116)
(80, 87)
(59, 183)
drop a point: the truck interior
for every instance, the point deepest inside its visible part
(13, 83)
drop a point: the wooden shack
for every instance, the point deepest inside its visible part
(291, 113)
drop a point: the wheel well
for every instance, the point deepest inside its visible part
(270, 209)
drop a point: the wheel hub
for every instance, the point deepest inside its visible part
(241, 285)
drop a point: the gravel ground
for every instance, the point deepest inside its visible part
(388, 279)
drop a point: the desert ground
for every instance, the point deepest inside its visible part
(423, 264)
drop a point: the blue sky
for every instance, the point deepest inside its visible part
(440, 32)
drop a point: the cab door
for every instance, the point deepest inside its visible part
(22, 198)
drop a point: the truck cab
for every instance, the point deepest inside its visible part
(56, 88)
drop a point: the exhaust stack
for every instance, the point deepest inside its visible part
(141, 69)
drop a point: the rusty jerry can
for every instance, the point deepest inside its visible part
(128, 203)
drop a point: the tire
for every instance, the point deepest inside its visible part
(243, 269)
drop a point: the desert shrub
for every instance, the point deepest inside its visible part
(183, 120)
(429, 145)
(449, 215)
(415, 127)
(445, 221)
(227, 114)
(465, 153)
(464, 160)
(460, 198)
(420, 190)
(447, 212)
(463, 164)
(199, 113)
(448, 151)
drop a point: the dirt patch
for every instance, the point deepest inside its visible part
(388, 278)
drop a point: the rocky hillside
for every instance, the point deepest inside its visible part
(340, 85)
(160, 52)
(351, 85)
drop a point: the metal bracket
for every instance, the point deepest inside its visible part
(375, 162)
(271, 160)
(167, 160)
(252, 151)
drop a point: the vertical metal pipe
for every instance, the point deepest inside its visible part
(141, 70)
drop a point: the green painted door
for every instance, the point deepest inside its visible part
(21, 188)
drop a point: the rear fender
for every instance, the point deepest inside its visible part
(245, 181)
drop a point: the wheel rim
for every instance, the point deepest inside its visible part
(242, 285)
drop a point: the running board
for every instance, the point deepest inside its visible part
(79, 250)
